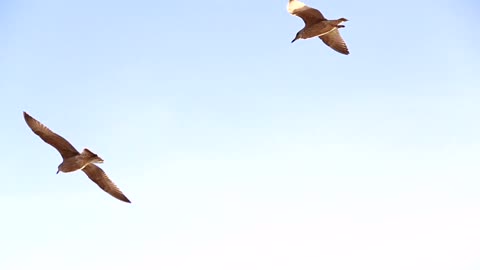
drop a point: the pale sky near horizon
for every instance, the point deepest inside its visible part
(238, 149)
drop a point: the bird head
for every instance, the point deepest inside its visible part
(297, 36)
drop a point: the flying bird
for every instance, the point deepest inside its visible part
(316, 25)
(73, 160)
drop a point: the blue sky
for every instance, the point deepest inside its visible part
(238, 149)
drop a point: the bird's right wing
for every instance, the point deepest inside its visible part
(335, 41)
(50, 137)
(97, 175)
(309, 15)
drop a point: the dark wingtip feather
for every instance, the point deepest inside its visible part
(26, 116)
(125, 199)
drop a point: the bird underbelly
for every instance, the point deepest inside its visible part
(317, 30)
(72, 164)
(323, 34)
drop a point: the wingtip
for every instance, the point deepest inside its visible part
(27, 116)
(294, 5)
(342, 52)
(120, 196)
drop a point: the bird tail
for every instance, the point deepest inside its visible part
(88, 152)
(91, 156)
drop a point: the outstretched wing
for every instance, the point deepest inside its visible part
(335, 41)
(97, 175)
(50, 137)
(309, 15)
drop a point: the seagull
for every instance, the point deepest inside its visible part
(316, 25)
(73, 160)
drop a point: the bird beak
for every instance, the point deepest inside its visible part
(58, 171)
(294, 40)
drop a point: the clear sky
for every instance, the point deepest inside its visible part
(238, 149)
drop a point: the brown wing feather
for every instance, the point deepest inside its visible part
(50, 137)
(97, 175)
(309, 15)
(335, 41)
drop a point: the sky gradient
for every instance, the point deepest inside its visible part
(238, 149)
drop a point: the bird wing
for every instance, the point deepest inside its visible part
(309, 15)
(50, 137)
(335, 41)
(97, 175)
